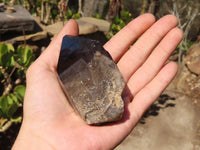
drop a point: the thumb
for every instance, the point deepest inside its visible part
(43, 92)
(51, 54)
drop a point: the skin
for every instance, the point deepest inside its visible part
(49, 122)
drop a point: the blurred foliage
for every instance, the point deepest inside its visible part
(13, 67)
(97, 16)
(59, 9)
(119, 22)
(70, 14)
(187, 13)
(184, 47)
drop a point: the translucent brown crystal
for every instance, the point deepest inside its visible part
(91, 80)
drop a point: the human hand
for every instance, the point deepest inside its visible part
(49, 122)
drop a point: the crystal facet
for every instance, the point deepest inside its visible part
(91, 80)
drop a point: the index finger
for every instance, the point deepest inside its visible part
(120, 43)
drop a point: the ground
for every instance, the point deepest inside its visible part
(174, 124)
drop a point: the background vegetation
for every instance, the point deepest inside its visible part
(13, 66)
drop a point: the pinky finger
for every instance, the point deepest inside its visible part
(152, 90)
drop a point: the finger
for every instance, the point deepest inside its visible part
(155, 61)
(138, 106)
(151, 91)
(51, 54)
(42, 81)
(119, 43)
(138, 53)
(71, 28)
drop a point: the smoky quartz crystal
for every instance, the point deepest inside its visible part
(91, 80)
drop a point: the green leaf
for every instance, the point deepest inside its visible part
(28, 57)
(29, 61)
(3, 48)
(17, 120)
(12, 63)
(9, 100)
(11, 106)
(27, 54)
(116, 20)
(76, 16)
(19, 55)
(19, 92)
(8, 106)
(6, 59)
(14, 98)
(96, 16)
(126, 16)
(12, 109)
(3, 104)
(24, 56)
(10, 47)
(20, 51)
(69, 13)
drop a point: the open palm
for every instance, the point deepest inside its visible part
(50, 122)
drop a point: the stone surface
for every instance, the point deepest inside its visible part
(193, 59)
(18, 20)
(91, 80)
(87, 25)
(188, 83)
(54, 29)
(174, 128)
(84, 27)
(100, 24)
(2, 7)
(188, 79)
(32, 37)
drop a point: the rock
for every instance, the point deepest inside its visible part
(86, 28)
(33, 37)
(91, 80)
(183, 79)
(102, 25)
(39, 26)
(2, 7)
(10, 9)
(193, 59)
(194, 86)
(54, 29)
(188, 84)
(17, 21)
(87, 25)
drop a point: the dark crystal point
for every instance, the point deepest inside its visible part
(91, 80)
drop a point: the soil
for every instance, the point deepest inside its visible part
(7, 138)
